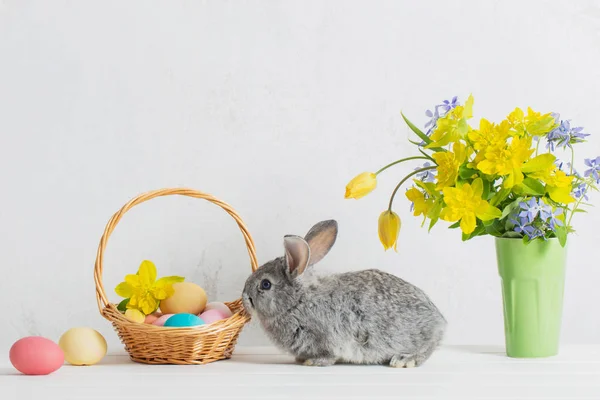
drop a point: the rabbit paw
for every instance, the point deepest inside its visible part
(319, 362)
(403, 361)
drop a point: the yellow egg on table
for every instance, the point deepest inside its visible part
(82, 346)
(188, 298)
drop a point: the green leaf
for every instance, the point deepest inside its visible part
(479, 230)
(466, 172)
(533, 187)
(494, 228)
(561, 234)
(499, 197)
(510, 207)
(428, 187)
(511, 234)
(487, 187)
(416, 130)
(539, 163)
(427, 155)
(434, 214)
(579, 210)
(454, 225)
(123, 305)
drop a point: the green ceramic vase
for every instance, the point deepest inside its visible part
(533, 280)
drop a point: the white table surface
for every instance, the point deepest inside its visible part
(262, 373)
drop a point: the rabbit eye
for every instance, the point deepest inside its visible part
(265, 284)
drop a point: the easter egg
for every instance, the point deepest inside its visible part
(150, 318)
(219, 306)
(36, 355)
(184, 320)
(187, 298)
(162, 319)
(135, 315)
(83, 346)
(211, 316)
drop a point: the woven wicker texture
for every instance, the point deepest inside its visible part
(151, 344)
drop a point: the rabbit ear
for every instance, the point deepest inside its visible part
(297, 254)
(320, 239)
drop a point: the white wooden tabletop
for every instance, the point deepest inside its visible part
(259, 373)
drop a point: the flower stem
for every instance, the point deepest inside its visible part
(572, 159)
(577, 204)
(404, 180)
(537, 148)
(401, 161)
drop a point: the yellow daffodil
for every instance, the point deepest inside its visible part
(421, 205)
(453, 126)
(489, 135)
(448, 164)
(361, 185)
(534, 123)
(465, 204)
(389, 228)
(144, 291)
(507, 160)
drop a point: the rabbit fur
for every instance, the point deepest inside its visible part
(365, 317)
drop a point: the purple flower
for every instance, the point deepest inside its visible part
(563, 135)
(449, 105)
(533, 232)
(566, 168)
(594, 170)
(553, 222)
(434, 115)
(533, 208)
(425, 176)
(519, 224)
(580, 191)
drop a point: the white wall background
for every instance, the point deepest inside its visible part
(272, 106)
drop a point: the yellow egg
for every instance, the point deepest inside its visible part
(82, 346)
(188, 298)
(135, 315)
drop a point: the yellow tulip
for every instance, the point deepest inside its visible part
(389, 228)
(361, 185)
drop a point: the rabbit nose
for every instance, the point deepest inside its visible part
(251, 303)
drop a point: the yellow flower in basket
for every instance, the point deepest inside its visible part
(144, 291)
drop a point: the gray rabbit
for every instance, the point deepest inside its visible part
(365, 317)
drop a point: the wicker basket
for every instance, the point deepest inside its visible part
(151, 344)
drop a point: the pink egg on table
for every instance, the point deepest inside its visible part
(36, 355)
(162, 319)
(219, 306)
(211, 316)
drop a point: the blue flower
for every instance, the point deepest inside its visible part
(533, 208)
(554, 222)
(519, 224)
(425, 176)
(594, 170)
(563, 135)
(580, 191)
(448, 105)
(533, 232)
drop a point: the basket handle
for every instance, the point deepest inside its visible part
(110, 227)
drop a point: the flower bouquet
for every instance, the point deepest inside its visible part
(505, 180)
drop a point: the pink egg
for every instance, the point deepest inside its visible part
(36, 355)
(219, 306)
(162, 319)
(211, 316)
(150, 319)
